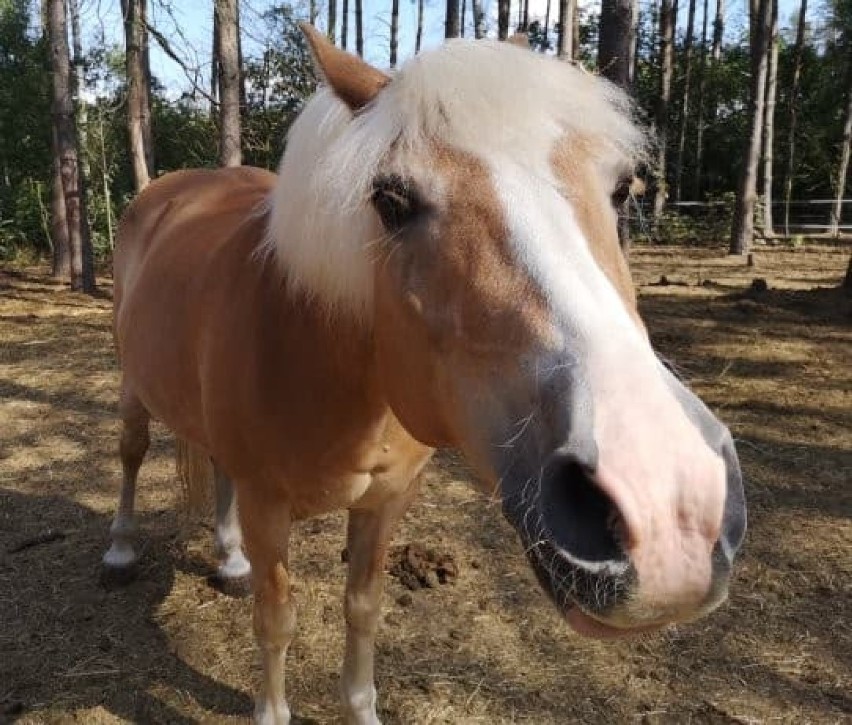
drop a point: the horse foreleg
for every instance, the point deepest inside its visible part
(266, 530)
(232, 574)
(120, 558)
(368, 535)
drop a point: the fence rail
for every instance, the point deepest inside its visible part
(806, 215)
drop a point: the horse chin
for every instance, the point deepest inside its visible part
(554, 580)
(587, 625)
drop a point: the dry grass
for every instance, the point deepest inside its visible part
(489, 648)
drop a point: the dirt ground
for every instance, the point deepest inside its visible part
(486, 647)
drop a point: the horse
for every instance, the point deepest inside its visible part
(435, 264)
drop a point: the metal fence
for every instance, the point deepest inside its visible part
(807, 217)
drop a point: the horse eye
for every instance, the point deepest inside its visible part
(396, 201)
(622, 191)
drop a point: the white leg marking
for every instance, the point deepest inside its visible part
(229, 536)
(368, 535)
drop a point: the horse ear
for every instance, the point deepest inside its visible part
(522, 40)
(355, 82)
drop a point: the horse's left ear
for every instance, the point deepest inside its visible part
(355, 82)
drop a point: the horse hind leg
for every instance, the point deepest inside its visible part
(233, 575)
(120, 559)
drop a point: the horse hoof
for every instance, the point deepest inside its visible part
(237, 587)
(118, 576)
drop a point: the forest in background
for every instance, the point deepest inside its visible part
(750, 122)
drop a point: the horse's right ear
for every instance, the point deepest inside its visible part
(355, 82)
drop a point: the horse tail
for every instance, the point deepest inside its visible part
(195, 472)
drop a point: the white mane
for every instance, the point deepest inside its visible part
(483, 97)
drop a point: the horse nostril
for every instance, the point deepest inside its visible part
(580, 518)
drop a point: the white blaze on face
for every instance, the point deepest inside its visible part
(652, 461)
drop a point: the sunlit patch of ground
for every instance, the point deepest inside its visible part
(777, 366)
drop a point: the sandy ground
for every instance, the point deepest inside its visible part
(486, 648)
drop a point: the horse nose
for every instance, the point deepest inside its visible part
(580, 519)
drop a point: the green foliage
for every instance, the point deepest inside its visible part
(700, 225)
(25, 153)
(279, 78)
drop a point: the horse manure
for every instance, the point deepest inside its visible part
(417, 567)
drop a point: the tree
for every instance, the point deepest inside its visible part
(617, 27)
(230, 153)
(344, 25)
(451, 23)
(769, 120)
(332, 19)
(359, 27)
(684, 104)
(478, 19)
(138, 91)
(564, 43)
(668, 21)
(699, 116)
(418, 38)
(793, 112)
(843, 164)
(615, 58)
(394, 32)
(503, 10)
(82, 265)
(718, 31)
(742, 227)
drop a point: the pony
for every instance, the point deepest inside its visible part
(436, 264)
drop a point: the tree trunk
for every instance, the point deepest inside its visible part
(564, 42)
(546, 28)
(769, 121)
(742, 228)
(616, 27)
(313, 12)
(229, 83)
(451, 23)
(575, 30)
(394, 30)
(58, 220)
(106, 182)
(419, 37)
(79, 85)
(702, 90)
(138, 91)
(332, 20)
(843, 166)
(503, 10)
(718, 31)
(462, 21)
(525, 18)
(214, 68)
(794, 107)
(684, 116)
(633, 45)
(478, 19)
(359, 27)
(82, 267)
(344, 24)
(668, 20)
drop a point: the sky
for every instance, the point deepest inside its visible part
(188, 26)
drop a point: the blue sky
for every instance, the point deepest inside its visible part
(189, 26)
